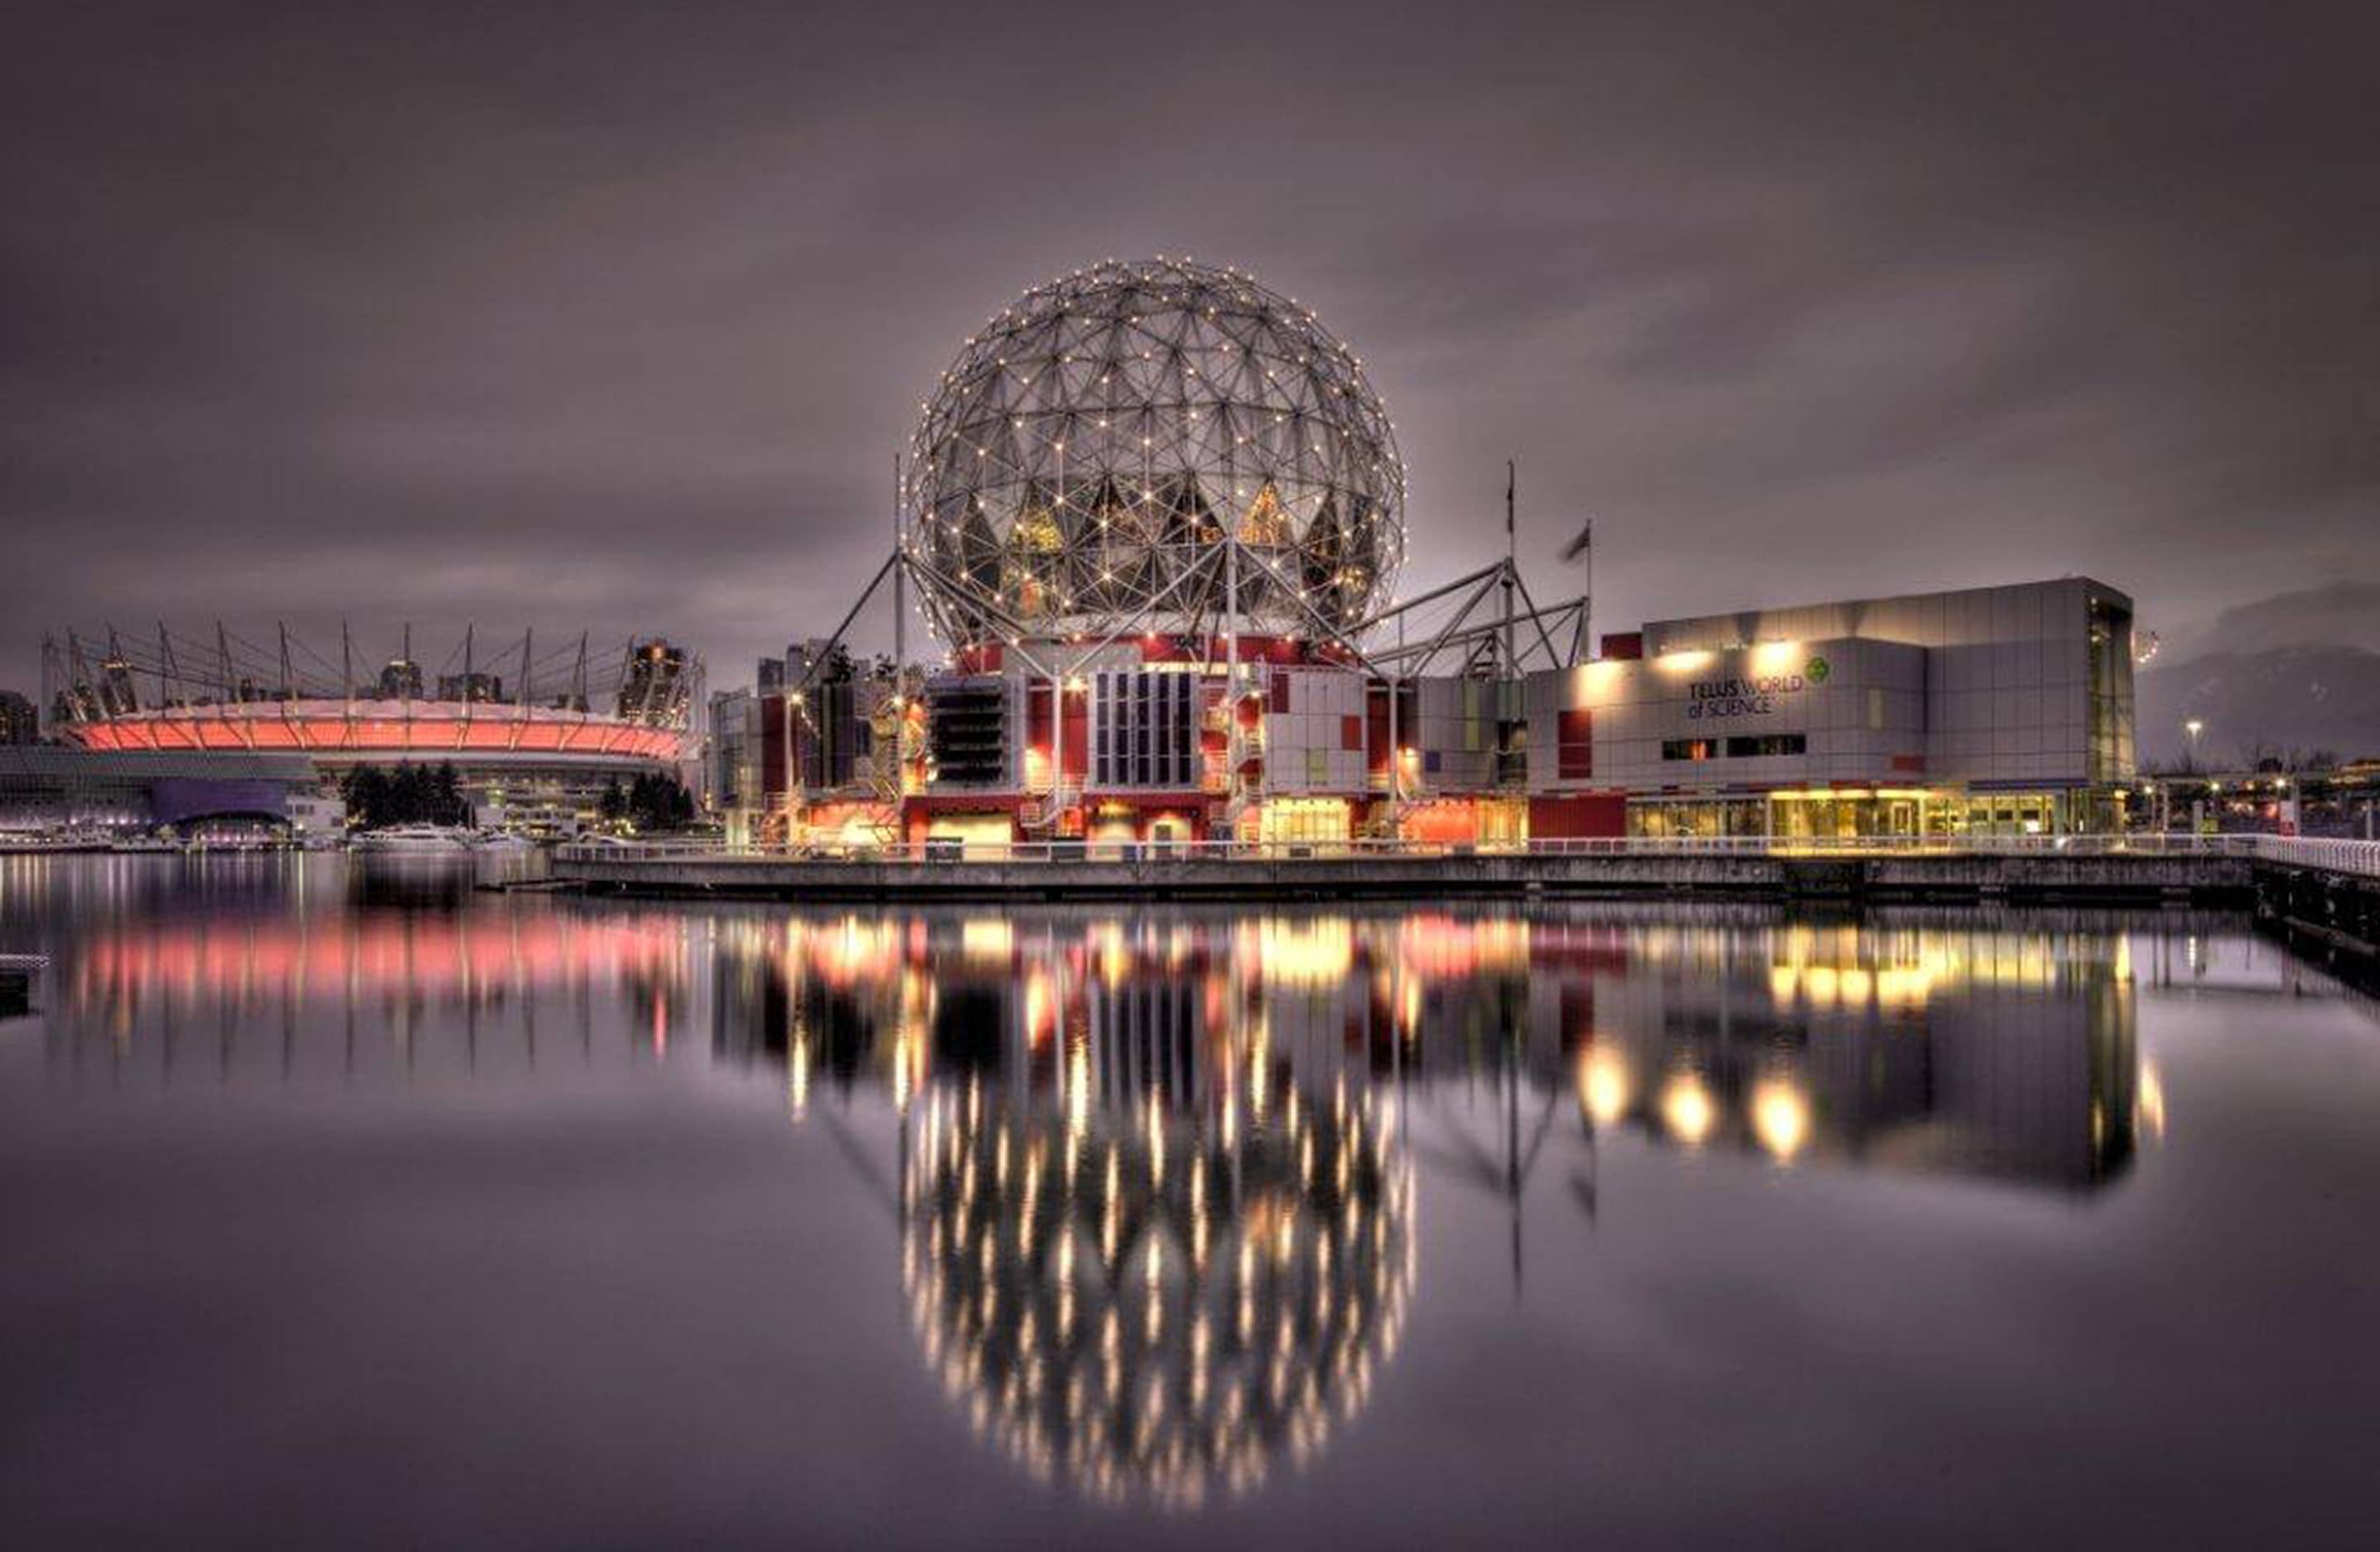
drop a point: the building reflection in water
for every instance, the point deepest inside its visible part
(1155, 1186)
(1153, 1302)
(1154, 1174)
(1967, 1047)
(1149, 1248)
(397, 968)
(1981, 1051)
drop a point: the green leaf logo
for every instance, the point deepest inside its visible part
(1817, 671)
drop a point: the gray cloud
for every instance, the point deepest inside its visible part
(615, 316)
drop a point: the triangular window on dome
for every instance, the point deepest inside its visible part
(1037, 531)
(1187, 519)
(1363, 543)
(1116, 565)
(978, 548)
(1324, 550)
(1266, 521)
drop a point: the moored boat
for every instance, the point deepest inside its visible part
(414, 838)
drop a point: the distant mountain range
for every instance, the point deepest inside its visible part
(2291, 675)
(2342, 615)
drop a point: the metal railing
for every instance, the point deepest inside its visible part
(2358, 858)
(2330, 854)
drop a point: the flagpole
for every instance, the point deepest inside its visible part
(1512, 560)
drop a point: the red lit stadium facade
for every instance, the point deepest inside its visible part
(371, 731)
(534, 740)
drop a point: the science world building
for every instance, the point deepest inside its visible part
(1154, 517)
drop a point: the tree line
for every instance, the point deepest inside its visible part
(380, 796)
(407, 794)
(650, 802)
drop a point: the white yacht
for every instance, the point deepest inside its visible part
(502, 840)
(413, 838)
(148, 843)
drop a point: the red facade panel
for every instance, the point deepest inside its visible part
(1575, 745)
(1074, 733)
(1578, 817)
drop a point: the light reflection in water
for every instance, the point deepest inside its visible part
(1158, 1171)
(1138, 1307)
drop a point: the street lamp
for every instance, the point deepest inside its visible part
(2193, 727)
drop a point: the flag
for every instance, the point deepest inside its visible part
(1580, 545)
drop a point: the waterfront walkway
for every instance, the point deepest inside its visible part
(2218, 868)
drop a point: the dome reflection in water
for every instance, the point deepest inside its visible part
(1154, 1300)
(1152, 1182)
(1148, 1250)
(1157, 1172)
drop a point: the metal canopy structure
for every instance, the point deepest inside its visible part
(1101, 447)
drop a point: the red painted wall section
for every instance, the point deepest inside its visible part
(1582, 815)
(1074, 731)
(1575, 745)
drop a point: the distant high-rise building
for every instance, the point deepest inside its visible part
(472, 687)
(20, 723)
(401, 680)
(817, 661)
(116, 694)
(652, 688)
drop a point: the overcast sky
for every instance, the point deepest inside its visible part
(613, 317)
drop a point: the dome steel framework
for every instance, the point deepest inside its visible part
(1121, 447)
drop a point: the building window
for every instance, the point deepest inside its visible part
(1575, 745)
(1766, 745)
(1690, 749)
(1145, 730)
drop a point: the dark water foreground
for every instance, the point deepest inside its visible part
(346, 1205)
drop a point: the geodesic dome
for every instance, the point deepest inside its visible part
(1093, 444)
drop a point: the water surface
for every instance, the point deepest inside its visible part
(349, 1204)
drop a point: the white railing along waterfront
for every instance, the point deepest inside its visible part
(2329, 854)
(2361, 857)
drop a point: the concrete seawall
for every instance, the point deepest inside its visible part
(2205, 879)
